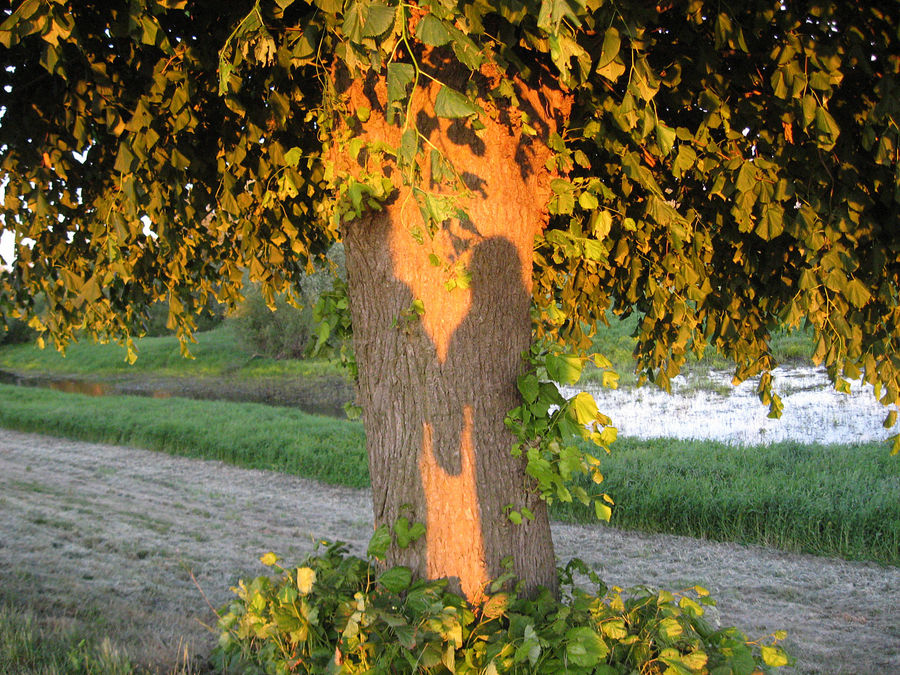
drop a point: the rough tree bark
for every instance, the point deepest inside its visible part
(435, 389)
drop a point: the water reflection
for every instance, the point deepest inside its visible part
(80, 387)
(316, 398)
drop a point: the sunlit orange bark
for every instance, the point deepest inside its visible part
(454, 540)
(435, 389)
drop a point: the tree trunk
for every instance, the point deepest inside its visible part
(435, 388)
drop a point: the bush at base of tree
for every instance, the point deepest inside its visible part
(338, 614)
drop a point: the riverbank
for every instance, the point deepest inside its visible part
(318, 394)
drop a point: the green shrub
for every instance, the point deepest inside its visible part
(282, 333)
(156, 323)
(16, 332)
(339, 614)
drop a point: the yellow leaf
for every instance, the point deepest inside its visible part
(774, 656)
(269, 559)
(306, 577)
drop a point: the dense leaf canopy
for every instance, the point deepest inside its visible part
(727, 168)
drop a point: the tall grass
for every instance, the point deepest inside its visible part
(26, 649)
(835, 499)
(829, 500)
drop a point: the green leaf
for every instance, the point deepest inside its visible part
(409, 145)
(293, 156)
(827, 129)
(669, 629)
(585, 648)
(529, 386)
(405, 534)
(379, 543)
(890, 420)
(124, 159)
(378, 20)
(602, 511)
(857, 293)
(746, 179)
(399, 77)
(432, 31)
(450, 104)
(665, 137)
(588, 201)
(353, 21)
(610, 50)
(564, 368)
(396, 579)
(496, 606)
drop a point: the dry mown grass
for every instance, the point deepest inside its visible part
(112, 536)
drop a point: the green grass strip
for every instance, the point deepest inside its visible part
(250, 435)
(216, 352)
(829, 500)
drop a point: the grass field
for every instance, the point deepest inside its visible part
(216, 352)
(830, 500)
(251, 435)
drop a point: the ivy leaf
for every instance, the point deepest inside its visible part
(379, 543)
(564, 368)
(529, 387)
(450, 104)
(774, 656)
(396, 579)
(584, 408)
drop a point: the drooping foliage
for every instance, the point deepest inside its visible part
(726, 168)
